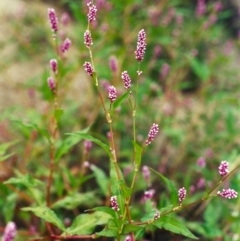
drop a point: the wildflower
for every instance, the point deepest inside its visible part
(152, 134)
(141, 45)
(112, 93)
(223, 168)
(88, 67)
(10, 232)
(181, 194)
(201, 162)
(126, 79)
(201, 8)
(53, 19)
(92, 11)
(156, 215)
(51, 84)
(87, 145)
(114, 203)
(227, 193)
(65, 19)
(88, 39)
(113, 63)
(164, 71)
(66, 45)
(149, 194)
(146, 172)
(128, 238)
(54, 65)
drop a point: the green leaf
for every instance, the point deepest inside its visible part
(111, 230)
(129, 228)
(86, 223)
(46, 214)
(73, 200)
(3, 158)
(139, 234)
(170, 186)
(107, 210)
(174, 226)
(148, 216)
(200, 69)
(120, 100)
(26, 180)
(66, 145)
(138, 153)
(4, 147)
(91, 138)
(101, 179)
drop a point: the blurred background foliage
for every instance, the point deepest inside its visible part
(189, 86)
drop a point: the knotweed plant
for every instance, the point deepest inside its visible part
(115, 218)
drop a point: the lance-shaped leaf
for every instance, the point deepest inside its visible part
(170, 186)
(91, 138)
(111, 230)
(173, 225)
(120, 100)
(138, 153)
(46, 214)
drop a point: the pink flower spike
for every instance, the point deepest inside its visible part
(114, 203)
(113, 64)
(227, 193)
(66, 45)
(181, 194)
(54, 65)
(128, 238)
(126, 79)
(223, 168)
(51, 84)
(201, 162)
(152, 133)
(112, 93)
(53, 19)
(146, 173)
(89, 69)
(10, 232)
(141, 45)
(156, 215)
(88, 38)
(92, 12)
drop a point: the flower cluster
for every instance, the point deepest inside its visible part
(201, 8)
(92, 12)
(126, 79)
(128, 238)
(113, 64)
(149, 194)
(141, 46)
(54, 65)
(88, 39)
(88, 67)
(112, 93)
(156, 215)
(201, 162)
(66, 45)
(223, 168)
(152, 133)
(182, 192)
(53, 19)
(227, 193)
(114, 203)
(10, 232)
(51, 84)
(146, 173)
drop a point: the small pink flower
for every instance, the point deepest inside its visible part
(54, 65)
(88, 39)
(201, 162)
(112, 93)
(156, 215)
(164, 71)
(87, 145)
(92, 12)
(88, 67)
(113, 63)
(152, 133)
(66, 45)
(51, 84)
(65, 19)
(227, 193)
(182, 192)
(128, 238)
(146, 173)
(126, 79)
(223, 168)
(201, 8)
(10, 232)
(141, 45)
(149, 194)
(114, 203)
(53, 19)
